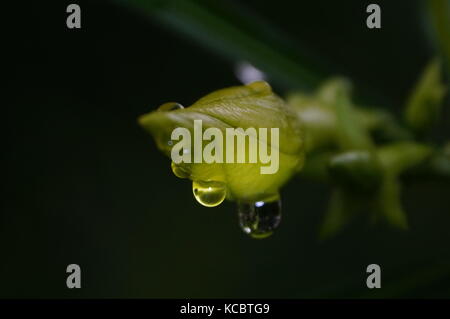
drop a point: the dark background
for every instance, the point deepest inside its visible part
(84, 184)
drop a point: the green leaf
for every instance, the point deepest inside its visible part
(439, 15)
(382, 124)
(319, 119)
(351, 134)
(425, 101)
(250, 106)
(369, 180)
(357, 171)
(399, 157)
(330, 118)
(342, 208)
(333, 88)
(237, 34)
(389, 203)
(395, 159)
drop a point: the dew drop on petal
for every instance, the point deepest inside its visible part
(260, 219)
(209, 193)
(179, 171)
(260, 86)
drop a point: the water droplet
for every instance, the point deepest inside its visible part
(170, 106)
(260, 86)
(209, 193)
(260, 219)
(179, 171)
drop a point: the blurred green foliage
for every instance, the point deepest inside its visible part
(424, 104)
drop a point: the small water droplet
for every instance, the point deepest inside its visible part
(260, 86)
(170, 106)
(209, 193)
(260, 219)
(179, 171)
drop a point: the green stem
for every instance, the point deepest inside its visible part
(226, 31)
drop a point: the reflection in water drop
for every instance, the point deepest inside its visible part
(209, 193)
(170, 106)
(260, 219)
(179, 171)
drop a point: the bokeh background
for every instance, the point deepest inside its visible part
(84, 184)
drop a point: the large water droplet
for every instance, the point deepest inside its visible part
(179, 171)
(260, 219)
(209, 193)
(170, 106)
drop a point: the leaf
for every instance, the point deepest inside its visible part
(399, 157)
(250, 106)
(370, 179)
(426, 99)
(330, 118)
(357, 171)
(318, 118)
(333, 88)
(389, 203)
(341, 210)
(382, 124)
(395, 159)
(239, 35)
(439, 15)
(351, 134)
